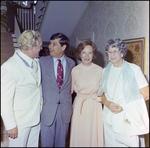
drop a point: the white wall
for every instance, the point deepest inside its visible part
(114, 19)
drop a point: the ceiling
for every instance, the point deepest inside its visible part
(61, 16)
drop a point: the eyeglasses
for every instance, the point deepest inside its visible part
(114, 52)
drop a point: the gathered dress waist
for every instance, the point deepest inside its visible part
(85, 97)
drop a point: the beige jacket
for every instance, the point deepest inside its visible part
(21, 95)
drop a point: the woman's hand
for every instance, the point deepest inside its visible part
(113, 107)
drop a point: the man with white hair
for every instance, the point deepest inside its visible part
(21, 96)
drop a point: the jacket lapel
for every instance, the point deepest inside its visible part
(51, 73)
(68, 72)
(24, 69)
(39, 74)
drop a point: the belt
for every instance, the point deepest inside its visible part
(84, 98)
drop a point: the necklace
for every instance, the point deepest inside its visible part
(115, 85)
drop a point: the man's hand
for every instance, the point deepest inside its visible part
(113, 107)
(13, 133)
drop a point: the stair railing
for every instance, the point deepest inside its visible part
(25, 17)
(41, 6)
(28, 18)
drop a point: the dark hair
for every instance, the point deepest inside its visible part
(64, 40)
(82, 45)
(117, 43)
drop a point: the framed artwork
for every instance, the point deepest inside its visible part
(136, 51)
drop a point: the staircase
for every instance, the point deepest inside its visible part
(9, 40)
(7, 47)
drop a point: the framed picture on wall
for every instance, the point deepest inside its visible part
(136, 51)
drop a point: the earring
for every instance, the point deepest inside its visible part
(122, 55)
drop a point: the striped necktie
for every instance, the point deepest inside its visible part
(59, 74)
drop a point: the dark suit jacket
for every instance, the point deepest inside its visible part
(51, 92)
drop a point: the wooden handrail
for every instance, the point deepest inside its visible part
(21, 7)
(26, 17)
(21, 20)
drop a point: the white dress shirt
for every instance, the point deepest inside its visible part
(63, 61)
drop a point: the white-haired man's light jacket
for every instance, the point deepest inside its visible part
(21, 96)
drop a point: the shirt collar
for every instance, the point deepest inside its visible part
(62, 59)
(25, 57)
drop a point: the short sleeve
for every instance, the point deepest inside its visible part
(141, 80)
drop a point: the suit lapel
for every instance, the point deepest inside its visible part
(51, 73)
(39, 74)
(24, 68)
(68, 71)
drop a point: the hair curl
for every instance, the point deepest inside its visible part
(28, 39)
(117, 43)
(82, 45)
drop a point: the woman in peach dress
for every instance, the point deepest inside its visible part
(86, 123)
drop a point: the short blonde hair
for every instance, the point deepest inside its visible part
(28, 39)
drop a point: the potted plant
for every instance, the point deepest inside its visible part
(4, 15)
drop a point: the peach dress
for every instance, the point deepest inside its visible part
(87, 118)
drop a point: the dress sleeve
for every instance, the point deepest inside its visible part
(8, 85)
(73, 82)
(141, 80)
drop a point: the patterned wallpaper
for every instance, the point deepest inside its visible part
(114, 19)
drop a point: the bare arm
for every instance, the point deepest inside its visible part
(72, 82)
(145, 92)
(113, 107)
